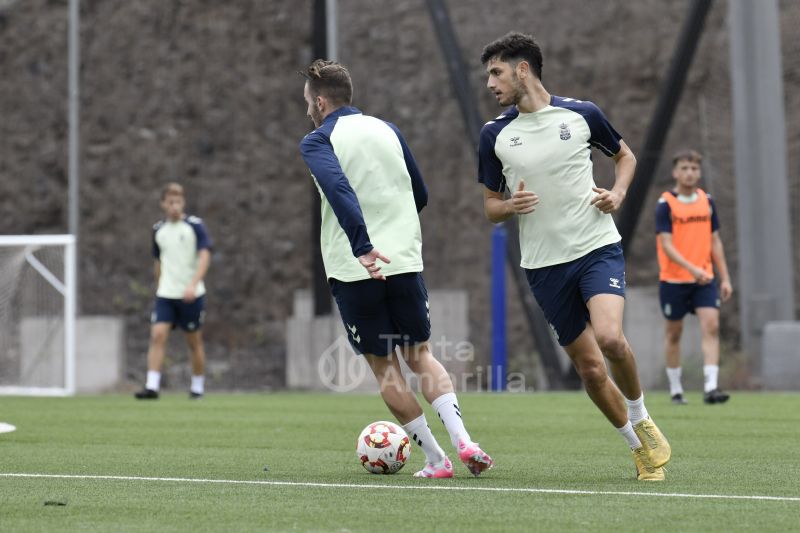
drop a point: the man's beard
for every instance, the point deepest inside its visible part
(316, 117)
(517, 92)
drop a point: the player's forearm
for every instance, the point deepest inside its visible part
(157, 271)
(718, 256)
(675, 256)
(203, 262)
(624, 169)
(497, 210)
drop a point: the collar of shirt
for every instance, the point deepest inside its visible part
(341, 112)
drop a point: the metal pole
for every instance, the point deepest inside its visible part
(766, 275)
(321, 295)
(73, 171)
(497, 378)
(70, 299)
(332, 29)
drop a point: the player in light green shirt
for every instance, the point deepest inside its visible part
(182, 253)
(371, 191)
(539, 152)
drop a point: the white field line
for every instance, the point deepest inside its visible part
(414, 487)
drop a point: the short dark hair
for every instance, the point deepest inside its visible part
(331, 80)
(515, 46)
(687, 155)
(171, 189)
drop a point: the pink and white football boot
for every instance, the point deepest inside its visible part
(475, 459)
(440, 471)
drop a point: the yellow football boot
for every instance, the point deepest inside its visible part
(644, 470)
(654, 442)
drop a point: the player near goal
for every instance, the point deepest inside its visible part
(539, 150)
(182, 253)
(689, 246)
(372, 192)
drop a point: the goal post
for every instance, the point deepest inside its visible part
(37, 315)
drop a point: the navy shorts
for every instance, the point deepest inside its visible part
(380, 315)
(563, 290)
(187, 316)
(677, 299)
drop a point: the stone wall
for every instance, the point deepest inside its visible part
(207, 93)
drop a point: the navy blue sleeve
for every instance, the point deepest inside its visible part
(714, 217)
(417, 183)
(490, 168)
(156, 249)
(663, 217)
(318, 154)
(203, 239)
(603, 135)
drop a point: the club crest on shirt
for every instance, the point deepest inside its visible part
(564, 132)
(515, 141)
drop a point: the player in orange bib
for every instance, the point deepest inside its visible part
(689, 247)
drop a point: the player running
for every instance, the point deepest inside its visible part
(372, 191)
(539, 150)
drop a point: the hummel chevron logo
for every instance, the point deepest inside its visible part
(614, 282)
(352, 329)
(515, 141)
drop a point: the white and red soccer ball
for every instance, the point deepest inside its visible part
(383, 448)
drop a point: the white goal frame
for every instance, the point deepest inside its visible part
(67, 289)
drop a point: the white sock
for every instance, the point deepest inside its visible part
(630, 436)
(446, 406)
(153, 380)
(710, 373)
(674, 376)
(636, 410)
(198, 383)
(419, 431)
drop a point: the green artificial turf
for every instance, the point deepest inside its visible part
(558, 442)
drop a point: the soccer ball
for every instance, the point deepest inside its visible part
(383, 448)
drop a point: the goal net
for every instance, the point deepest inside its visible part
(37, 315)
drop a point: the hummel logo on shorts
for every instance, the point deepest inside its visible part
(352, 329)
